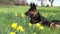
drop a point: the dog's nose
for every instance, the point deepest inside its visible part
(27, 16)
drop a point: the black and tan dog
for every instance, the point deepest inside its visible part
(35, 17)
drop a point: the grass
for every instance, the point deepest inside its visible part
(7, 17)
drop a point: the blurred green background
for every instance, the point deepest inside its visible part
(7, 17)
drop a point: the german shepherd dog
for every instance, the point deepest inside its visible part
(35, 17)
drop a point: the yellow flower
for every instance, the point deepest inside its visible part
(1, 10)
(30, 24)
(37, 24)
(41, 27)
(34, 33)
(20, 28)
(43, 14)
(14, 25)
(46, 14)
(23, 15)
(16, 14)
(12, 32)
(5, 12)
(53, 13)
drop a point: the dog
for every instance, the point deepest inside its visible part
(35, 17)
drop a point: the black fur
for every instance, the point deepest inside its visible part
(35, 16)
(33, 6)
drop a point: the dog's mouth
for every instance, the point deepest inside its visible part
(27, 17)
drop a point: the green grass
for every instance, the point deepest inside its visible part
(7, 17)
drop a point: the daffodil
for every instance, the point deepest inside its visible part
(20, 28)
(14, 25)
(37, 24)
(53, 13)
(41, 27)
(46, 14)
(5, 12)
(30, 24)
(16, 14)
(23, 15)
(12, 33)
(1, 10)
(34, 33)
(43, 14)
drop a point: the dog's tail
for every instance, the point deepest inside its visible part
(55, 24)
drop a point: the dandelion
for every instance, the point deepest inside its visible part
(30, 24)
(41, 27)
(37, 24)
(12, 32)
(20, 28)
(23, 15)
(16, 14)
(34, 33)
(14, 25)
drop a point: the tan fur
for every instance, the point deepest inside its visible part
(52, 25)
(34, 12)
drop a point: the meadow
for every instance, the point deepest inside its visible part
(15, 14)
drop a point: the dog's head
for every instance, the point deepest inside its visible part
(32, 12)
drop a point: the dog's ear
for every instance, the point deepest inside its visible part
(32, 5)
